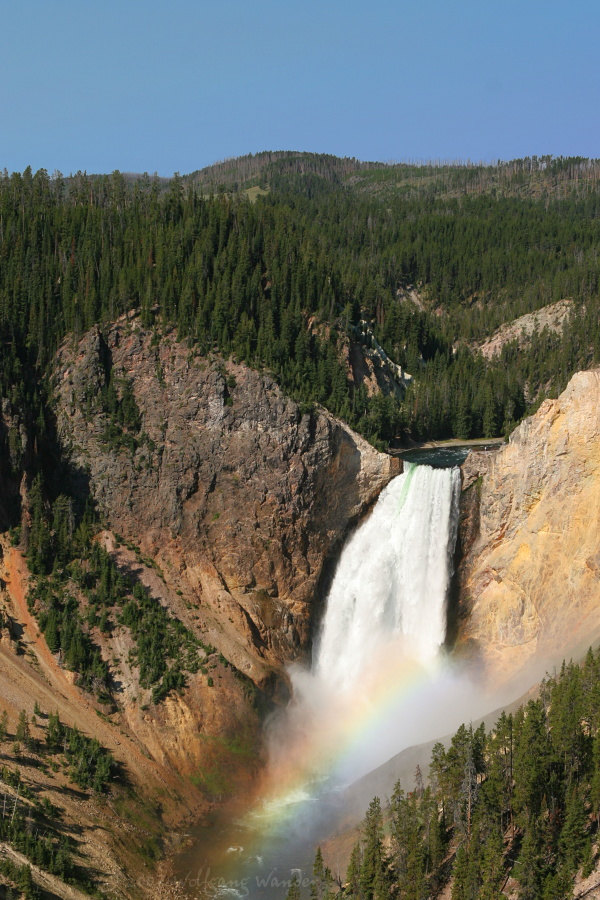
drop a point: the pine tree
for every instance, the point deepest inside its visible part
(492, 866)
(573, 835)
(436, 840)
(409, 854)
(321, 880)
(293, 892)
(490, 424)
(54, 733)
(22, 733)
(460, 874)
(26, 883)
(531, 760)
(352, 887)
(529, 867)
(373, 862)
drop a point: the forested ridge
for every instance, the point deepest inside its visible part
(283, 281)
(535, 176)
(512, 810)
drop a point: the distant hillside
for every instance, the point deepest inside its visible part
(533, 177)
(243, 172)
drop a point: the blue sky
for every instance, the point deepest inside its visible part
(157, 86)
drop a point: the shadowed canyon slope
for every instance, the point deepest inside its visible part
(239, 496)
(530, 582)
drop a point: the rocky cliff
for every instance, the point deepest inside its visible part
(229, 503)
(240, 497)
(530, 576)
(554, 317)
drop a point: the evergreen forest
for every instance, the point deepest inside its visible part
(513, 811)
(282, 260)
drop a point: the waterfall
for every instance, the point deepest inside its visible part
(391, 582)
(377, 683)
(376, 662)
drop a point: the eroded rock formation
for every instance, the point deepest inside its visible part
(530, 579)
(239, 495)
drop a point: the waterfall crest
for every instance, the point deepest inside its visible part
(392, 578)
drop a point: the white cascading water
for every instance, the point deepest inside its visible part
(392, 578)
(382, 630)
(376, 684)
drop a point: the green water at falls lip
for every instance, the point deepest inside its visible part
(438, 458)
(409, 471)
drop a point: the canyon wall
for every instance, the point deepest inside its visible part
(529, 580)
(230, 503)
(237, 494)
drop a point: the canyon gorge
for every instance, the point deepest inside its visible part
(232, 510)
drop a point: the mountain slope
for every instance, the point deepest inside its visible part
(313, 173)
(112, 834)
(225, 506)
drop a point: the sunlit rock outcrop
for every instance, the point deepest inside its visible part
(530, 580)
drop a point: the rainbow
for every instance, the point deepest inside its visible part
(378, 663)
(313, 749)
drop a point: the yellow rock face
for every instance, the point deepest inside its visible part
(531, 581)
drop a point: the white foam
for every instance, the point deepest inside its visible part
(392, 579)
